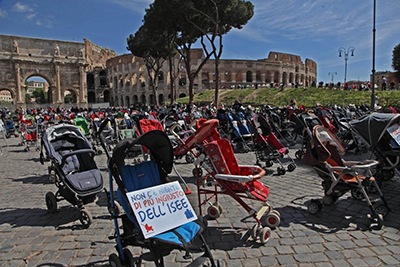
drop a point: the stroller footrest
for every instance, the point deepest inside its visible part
(234, 178)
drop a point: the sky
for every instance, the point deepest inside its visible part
(313, 29)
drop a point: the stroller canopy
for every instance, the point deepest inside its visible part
(372, 127)
(156, 141)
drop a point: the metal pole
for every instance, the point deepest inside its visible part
(373, 60)
(345, 66)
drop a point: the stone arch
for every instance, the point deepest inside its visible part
(127, 101)
(161, 99)
(74, 96)
(103, 78)
(258, 77)
(134, 79)
(91, 97)
(268, 77)
(90, 80)
(276, 77)
(143, 99)
(249, 76)
(182, 95)
(160, 76)
(48, 89)
(284, 78)
(135, 99)
(142, 80)
(106, 95)
(4, 95)
(152, 100)
(291, 78)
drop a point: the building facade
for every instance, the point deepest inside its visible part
(130, 83)
(93, 74)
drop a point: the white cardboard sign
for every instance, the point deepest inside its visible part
(161, 208)
(394, 131)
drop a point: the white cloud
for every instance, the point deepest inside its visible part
(19, 7)
(31, 16)
(135, 5)
(3, 13)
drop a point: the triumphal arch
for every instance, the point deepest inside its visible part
(64, 65)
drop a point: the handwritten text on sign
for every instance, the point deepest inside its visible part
(161, 208)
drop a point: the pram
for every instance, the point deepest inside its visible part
(267, 146)
(228, 178)
(29, 134)
(304, 125)
(240, 135)
(10, 128)
(380, 131)
(72, 169)
(148, 174)
(339, 176)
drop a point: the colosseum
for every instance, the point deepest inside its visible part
(98, 75)
(130, 84)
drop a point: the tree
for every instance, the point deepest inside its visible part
(396, 61)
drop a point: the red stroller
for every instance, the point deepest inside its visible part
(267, 146)
(228, 178)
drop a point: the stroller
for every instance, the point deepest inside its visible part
(241, 134)
(10, 128)
(72, 169)
(147, 175)
(267, 146)
(380, 131)
(29, 134)
(226, 177)
(340, 176)
(304, 125)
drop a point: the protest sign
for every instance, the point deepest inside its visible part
(161, 208)
(394, 131)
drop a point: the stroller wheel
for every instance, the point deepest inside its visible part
(357, 193)
(281, 171)
(213, 211)
(129, 260)
(85, 218)
(199, 170)
(291, 167)
(52, 178)
(264, 234)
(273, 219)
(328, 200)
(269, 163)
(387, 174)
(382, 209)
(189, 158)
(114, 260)
(314, 207)
(299, 154)
(116, 211)
(51, 202)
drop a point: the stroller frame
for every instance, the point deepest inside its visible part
(160, 148)
(80, 185)
(217, 158)
(343, 176)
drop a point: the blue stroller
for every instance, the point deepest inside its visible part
(147, 174)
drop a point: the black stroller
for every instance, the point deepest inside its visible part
(147, 174)
(72, 169)
(381, 132)
(304, 123)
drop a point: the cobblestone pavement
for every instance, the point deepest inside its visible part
(336, 236)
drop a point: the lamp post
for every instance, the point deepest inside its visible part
(332, 74)
(373, 59)
(346, 57)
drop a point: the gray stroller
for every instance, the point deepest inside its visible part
(72, 169)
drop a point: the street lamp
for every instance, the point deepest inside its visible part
(332, 74)
(373, 58)
(346, 57)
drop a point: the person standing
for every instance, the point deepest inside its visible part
(383, 83)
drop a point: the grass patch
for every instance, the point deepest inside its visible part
(307, 97)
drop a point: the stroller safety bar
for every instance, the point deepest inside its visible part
(243, 178)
